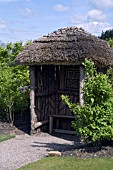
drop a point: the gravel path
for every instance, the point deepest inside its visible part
(25, 149)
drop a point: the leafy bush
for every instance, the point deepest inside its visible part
(94, 120)
(11, 77)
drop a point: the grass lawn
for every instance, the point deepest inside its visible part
(70, 163)
(6, 137)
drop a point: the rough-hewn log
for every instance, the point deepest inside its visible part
(38, 124)
(64, 131)
(45, 93)
(82, 75)
(32, 99)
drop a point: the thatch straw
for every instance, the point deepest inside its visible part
(66, 46)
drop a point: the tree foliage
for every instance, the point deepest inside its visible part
(94, 120)
(107, 34)
(12, 77)
(110, 41)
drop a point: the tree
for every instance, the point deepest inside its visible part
(12, 77)
(107, 34)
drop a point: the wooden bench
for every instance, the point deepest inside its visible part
(58, 117)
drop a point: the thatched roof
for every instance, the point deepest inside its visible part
(66, 46)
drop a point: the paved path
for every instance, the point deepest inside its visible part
(25, 149)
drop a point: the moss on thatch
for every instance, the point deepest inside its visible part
(66, 46)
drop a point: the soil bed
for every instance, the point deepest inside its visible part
(6, 128)
(86, 151)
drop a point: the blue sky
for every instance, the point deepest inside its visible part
(23, 20)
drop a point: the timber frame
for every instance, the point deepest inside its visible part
(55, 63)
(47, 84)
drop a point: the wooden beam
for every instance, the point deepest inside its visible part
(50, 124)
(32, 99)
(45, 93)
(63, 116)
(64, 131)
(67, 92)
(38, 124)
(51, 117)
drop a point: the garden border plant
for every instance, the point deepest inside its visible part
(94, 120)
(12, 77)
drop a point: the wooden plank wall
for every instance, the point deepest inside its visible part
(45, 91)
(69, 85)
(51, 83)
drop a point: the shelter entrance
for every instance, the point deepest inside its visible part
(51, 82)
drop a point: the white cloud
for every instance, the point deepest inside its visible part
(92, 15)
(61, 8)
(103, 3)
(8, 1)
(95, 27)
(96, 15)
(2, 24)
(94, 22)
(26, 12)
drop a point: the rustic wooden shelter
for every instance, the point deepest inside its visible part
(55, 63)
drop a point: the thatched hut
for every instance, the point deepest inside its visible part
(55, 63)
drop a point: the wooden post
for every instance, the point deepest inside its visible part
(50, 124)
(57, 88)
(32, 99)
(82, 76)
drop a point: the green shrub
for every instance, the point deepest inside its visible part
(12, 78)
(94, 120)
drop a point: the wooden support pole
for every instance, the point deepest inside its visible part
(57, 88)
(38, 124)
(50, 124)
(82, 76)
(32, 99)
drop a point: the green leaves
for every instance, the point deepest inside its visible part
(94, 120)
(89, 66)
(12, 77)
